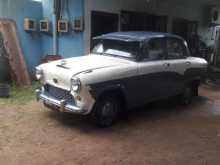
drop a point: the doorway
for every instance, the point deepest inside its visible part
(103, 23)
(185, 28)
(141, 21)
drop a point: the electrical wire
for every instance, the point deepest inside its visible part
(61, 10)
(67, 9)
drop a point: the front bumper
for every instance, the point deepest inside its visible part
(61, 105)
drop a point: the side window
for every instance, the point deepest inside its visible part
(176, 49)
(154, 50)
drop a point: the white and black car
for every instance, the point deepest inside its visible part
(124, 70)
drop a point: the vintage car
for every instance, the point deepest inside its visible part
(123, 71)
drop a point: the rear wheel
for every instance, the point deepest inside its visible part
(106, 111)
(195, 89)
(186, 97)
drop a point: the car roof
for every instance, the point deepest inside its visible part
(136, 36)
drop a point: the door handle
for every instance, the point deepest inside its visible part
(188, 63)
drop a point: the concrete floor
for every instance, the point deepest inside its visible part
(163, 133)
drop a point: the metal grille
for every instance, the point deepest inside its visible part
(58, 93)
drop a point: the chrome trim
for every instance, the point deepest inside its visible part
(61, 104)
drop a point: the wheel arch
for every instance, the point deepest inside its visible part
(117, 90)
(194, 81)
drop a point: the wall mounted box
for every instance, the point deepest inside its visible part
(44, 25)
(30, 24)
(78, 24)
(63, 26)
(215, 15)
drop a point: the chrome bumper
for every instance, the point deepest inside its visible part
(61, 105)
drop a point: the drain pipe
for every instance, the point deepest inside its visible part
(55, 40)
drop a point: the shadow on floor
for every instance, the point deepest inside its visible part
(160, 110)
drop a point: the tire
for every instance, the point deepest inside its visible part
(195, 90)
(106, 111)
(186, 97)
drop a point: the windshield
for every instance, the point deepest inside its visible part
(116, 48)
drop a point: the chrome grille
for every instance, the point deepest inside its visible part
(58, 93)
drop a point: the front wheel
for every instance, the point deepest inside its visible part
(106, 111)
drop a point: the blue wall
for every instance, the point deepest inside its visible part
(30, 43)
(36, 45)
(70, 44)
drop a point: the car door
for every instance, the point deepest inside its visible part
(152, 71)
(177, 64)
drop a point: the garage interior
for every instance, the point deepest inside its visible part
(196, 22)
(160, 133)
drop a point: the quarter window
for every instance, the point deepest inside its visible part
(155, 50)
(175, 49)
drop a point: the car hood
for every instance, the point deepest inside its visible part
(59, 73)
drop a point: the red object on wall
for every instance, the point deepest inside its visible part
(50, 58)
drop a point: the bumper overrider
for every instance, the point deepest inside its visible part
(61, 105)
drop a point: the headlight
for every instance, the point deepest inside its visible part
(39, 74)
(75, 84)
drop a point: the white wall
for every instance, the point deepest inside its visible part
(165, 7)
